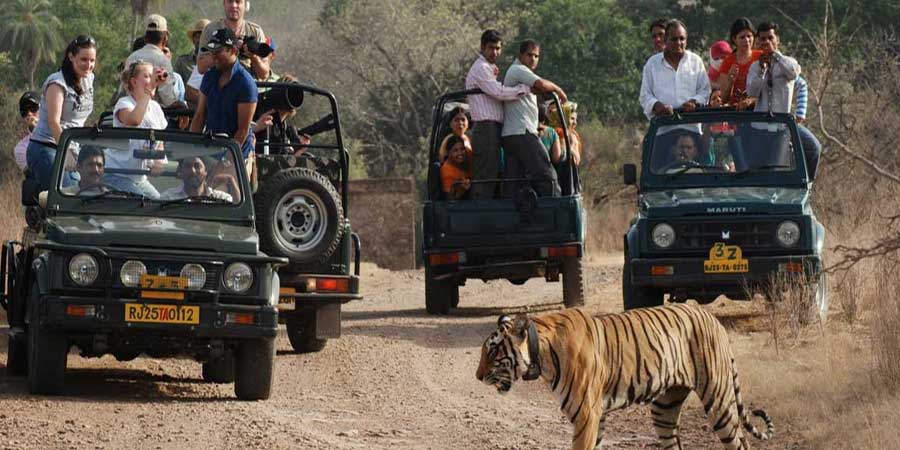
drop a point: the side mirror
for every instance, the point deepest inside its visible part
(30, 191)
(629, 172)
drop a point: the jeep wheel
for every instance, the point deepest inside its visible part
(17, 356)
(573, 282)
(439, 294)
(638, 297)
(254, 369)
(301, 331)
(46, 362)
(219, 370)
(299, 216)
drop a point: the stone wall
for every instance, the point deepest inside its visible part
(382, 212)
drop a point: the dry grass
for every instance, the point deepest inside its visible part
(606, 225)
(12, 219)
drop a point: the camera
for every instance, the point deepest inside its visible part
(162, 75)
(256, 47)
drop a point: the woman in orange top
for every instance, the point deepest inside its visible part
(459, 124)
(456, 171)
(734, 69)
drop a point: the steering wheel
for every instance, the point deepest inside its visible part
(679, 163)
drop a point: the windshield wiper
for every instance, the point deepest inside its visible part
(195, 198)
(761, 169)
(682, 170)
(111, 193)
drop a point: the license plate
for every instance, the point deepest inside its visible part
(725, 259)
(287, 291)
(175, 314)
(163, 282)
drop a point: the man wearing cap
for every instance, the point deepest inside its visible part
(156, 37)
(227, 94)
(234, 20)
(185, 63)
(29, 103)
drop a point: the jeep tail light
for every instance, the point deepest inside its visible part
(446, 259)
(80, 310)
(791, 267)
(662, 270)
(327, 285)
(559, 252)
(240, 318)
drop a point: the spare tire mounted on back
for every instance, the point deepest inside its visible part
(299, 216)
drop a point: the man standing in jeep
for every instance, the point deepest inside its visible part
(234, 20)
(487, 112)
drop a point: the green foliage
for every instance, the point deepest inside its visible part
(29, 32)
(590, 49)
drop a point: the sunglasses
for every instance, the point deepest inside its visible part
(82, 40)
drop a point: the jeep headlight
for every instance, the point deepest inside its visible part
(788, 233)
(83, 269)
(195, 275)
(663, 235)
(238, 277)
(131, 273)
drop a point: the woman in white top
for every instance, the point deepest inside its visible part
(67, 99)
(138, 110)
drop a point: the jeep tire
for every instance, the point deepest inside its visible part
(301, 331)
(299, 216)
(634, 297)
(254, 369)
(47, 354)
(440, 295)
(573, 282)
(17, 356)
(219, 370)
(816, 309)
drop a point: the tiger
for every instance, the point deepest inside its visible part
(598, 364)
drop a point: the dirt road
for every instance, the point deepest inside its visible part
(397, 379)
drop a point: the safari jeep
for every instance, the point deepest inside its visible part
(723, 209)
(514, 237)
(144, 257)
(302, 214)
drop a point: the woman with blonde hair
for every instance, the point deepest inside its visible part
(137, 110)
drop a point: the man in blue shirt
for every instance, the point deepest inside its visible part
(227, 94)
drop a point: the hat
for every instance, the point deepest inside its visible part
(27, 100)
(223, 37)
(197, 27)
(720, 50)
(156, 22)
(270, 42)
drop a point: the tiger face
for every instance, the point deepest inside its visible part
(501, 361)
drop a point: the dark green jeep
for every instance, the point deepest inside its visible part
(515, 237)
(145, 243)
(302, 213)
(723, 209)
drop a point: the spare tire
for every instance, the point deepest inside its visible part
(299, 216)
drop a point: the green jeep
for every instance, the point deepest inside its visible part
(516, 237)
(723, 209)
(135, 250)
(302, 214)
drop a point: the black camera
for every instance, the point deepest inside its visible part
(256, 47)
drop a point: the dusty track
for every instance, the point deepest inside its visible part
(397, 379)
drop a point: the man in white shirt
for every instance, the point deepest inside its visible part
(487, 112)
(156, 37)
(192, 172)
(526, 155)
(674, 78)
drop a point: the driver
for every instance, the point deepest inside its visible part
(90, 165)
(685, 149)
(192, 173)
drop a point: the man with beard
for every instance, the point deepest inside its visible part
(192, 173)
(90, 164)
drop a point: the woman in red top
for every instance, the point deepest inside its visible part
(733, 72)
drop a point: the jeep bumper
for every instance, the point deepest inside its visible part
(687, 273)
(107, 316)
(299, 291)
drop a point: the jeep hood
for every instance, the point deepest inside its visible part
(154, 232)
(724, 200)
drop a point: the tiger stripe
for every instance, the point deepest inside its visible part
(656, 356)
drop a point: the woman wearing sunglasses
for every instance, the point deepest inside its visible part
(67, 99)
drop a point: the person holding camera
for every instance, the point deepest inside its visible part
(156, 37)
(253, 49)
(29, 104)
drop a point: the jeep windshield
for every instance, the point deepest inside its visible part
(160, 171)
(725, 148)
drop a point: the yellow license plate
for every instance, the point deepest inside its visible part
(148, 313)
(725, 259)
(163, 282)
(287, 291)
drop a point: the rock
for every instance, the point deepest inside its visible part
(348, 433)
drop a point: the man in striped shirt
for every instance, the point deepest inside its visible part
(487, 112)
(807, 138)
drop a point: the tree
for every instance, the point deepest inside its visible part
(29, 31)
